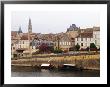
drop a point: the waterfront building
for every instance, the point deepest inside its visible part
(96, 36)
(88, 36)
(73, 31)
(63, 42)
(84, 40)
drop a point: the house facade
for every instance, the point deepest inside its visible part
(86, 37)
(63, 42)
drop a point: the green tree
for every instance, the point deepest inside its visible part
(58, 51)
(77, 47)
(93, 46)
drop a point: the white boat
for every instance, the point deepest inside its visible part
(45, 65)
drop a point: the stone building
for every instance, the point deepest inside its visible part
(73, 31)
(88, 36)
(84, 40)
(64, 42)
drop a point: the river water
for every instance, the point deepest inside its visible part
(32, 72)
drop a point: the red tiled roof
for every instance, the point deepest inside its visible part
(13, 33)
(25, 37)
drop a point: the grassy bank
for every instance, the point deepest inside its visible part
(85, 61)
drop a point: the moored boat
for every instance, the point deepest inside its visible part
(68, 67)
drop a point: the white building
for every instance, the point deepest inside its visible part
(86, 38)
(96, 36)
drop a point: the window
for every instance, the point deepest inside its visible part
(81, 44)
(66, 43)
(81, 39)
(23, 42)
(20, 46)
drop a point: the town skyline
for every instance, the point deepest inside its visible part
(52, 32)
(53, 22)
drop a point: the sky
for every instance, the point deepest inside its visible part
(53, 21)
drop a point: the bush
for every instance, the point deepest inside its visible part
(58, 51)
(77, 47)
(93, 47)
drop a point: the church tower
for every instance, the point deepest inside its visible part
(30, 26)
(29, 34)
(20, 31)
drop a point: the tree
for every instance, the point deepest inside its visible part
(51, 48)
(43, 48)
(77, 47)
(58, 51)
(93, 47)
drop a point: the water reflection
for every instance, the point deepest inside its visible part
(32, 72)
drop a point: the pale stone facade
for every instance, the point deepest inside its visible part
(64, 42)
(96, 36)
(73, 34)
(86, 38)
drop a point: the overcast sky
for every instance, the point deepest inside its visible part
(53, 21)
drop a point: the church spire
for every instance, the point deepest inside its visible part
(29, 26)
(19, 31)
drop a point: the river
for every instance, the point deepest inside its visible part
(32, 72)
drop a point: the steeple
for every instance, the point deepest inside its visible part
(29, 26)
(29, 32)
(19, 31)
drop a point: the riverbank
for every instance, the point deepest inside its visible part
(86, 62)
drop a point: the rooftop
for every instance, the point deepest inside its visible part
(85, 35)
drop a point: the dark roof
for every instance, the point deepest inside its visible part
(87, 30)
(85, 35)
(96, 28)
(72, 28)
